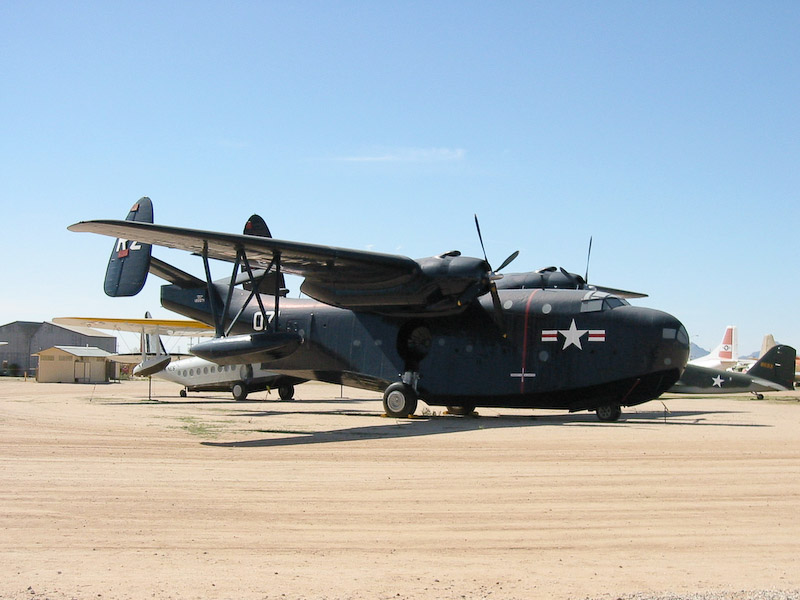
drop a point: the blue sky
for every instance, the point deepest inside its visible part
(668, 131)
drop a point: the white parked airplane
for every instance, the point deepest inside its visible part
(193, 373)
(724, 356)
(199, 375)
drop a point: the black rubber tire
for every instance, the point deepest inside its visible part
(609, 413)
(399, 400)
(183, 393)
(239, 391)
(286, 392)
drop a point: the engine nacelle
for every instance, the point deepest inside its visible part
(248, 348)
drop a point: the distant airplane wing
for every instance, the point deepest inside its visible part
(618, 292)
(127, 359)
(322, 264)
(176, 327)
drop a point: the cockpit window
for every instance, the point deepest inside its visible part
(614, 302)
(679, 334)
(599, 301)
(593, 305)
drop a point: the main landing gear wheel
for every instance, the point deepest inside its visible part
(608, 413)
(183, 393)
(239, 391)
(286, 392)
(461, 411)
(399, 400)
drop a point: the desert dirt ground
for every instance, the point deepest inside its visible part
(106, 494)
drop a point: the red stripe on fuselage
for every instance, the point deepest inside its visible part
(525, 343)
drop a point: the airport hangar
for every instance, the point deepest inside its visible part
(26, 340)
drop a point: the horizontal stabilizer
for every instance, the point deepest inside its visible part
(248, 348)
(174, 275)
(152, 365)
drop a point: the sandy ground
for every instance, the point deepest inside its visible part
(104, 494)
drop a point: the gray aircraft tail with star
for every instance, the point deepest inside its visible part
(772, 372)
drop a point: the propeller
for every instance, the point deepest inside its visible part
(588, 256)
(494, 276)
(615, 291)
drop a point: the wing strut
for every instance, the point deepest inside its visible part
(277, 261)
(227, 304)
(218, 316)
(254, 287)
(212, 295)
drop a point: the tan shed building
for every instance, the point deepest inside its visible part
(72, 364)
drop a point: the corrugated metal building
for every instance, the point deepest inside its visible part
(73, 364)
(27, 338)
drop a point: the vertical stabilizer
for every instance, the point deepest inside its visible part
(723, 356)
(271, 281)
(777, 366)
(728, 350)
(152, 341)
(767, 344)
(154, 355)
(130, 260)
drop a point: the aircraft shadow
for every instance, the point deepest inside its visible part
(402, 429)
(206, 400)
(441, 424)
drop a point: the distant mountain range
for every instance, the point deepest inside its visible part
(696, 351)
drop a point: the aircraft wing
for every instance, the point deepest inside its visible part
(619, 292)
(178, 327)
(127, 359)
(320, 264)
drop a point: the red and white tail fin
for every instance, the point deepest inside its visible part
(728, 349)
(723, 356)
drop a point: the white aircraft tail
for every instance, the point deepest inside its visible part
(767, 344)
(723, 356)
(154, 355)
(728, 350)
(151, 342)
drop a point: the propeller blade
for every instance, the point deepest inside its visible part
(498, 313)
(588, 256)
(508, 261)
(480, 238)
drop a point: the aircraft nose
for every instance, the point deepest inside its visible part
(664, 351)
(673, 347)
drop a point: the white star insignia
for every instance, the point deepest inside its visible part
(572, 336)
(717, 381)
